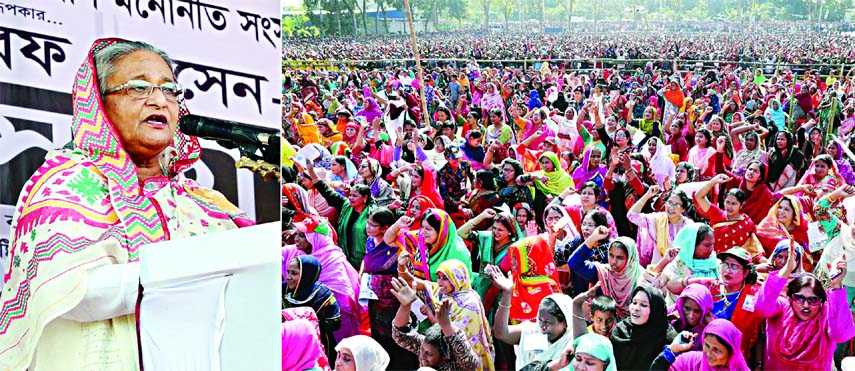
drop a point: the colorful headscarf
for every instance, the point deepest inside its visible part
(337, 274)
(558, 178)
(770, 228)
(368, 355)
(619, 285)
(84, 208)
(584, 173)
(448, 245)
(299, 200)
(535, 276)
(701, 295)
(301, 345)
(350, 140)
(686, 240)
(424, 204)
(697, 360)
(467, 311)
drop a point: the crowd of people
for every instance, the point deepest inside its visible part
(554, 219)
(768, 45)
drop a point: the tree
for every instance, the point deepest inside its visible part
(296, 26)
(485, 4)
(507, 8)
(568, 7)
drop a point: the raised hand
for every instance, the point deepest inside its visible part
(500, 281)
(531, 228)
(404, 220)
(443, 313)
(404, 258)
(839, 265)
(488, 214)
(402, 291)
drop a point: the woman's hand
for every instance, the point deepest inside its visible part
(402, 291)
(500, 281)
(792, 261)
(404, 221)
(404, 258)
(531, 228)
(679, 346)
(567, 356)
(598, 234)
(487, 214)
(443, 316)
(671, 254)
(395, 204)
(567, 192)
(652, 191)
(720, 179)
(839, 264)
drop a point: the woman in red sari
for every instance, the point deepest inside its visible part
(753, 184)
(732, 227)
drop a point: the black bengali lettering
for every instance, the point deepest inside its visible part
(126, 4)
(241, 89)
(251, 21)
(53, 52)
(6, 39)
(190, 8)
(220, 76)
(215, 16)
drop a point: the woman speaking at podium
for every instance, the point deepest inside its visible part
(71, 289)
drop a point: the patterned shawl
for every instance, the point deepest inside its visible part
(535, 276)
(467, 312)
(584, 173)
(84, 208)
(558, 178)
(448, 245)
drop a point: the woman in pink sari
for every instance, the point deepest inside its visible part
(336, 273)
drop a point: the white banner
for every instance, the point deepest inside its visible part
(227, 55)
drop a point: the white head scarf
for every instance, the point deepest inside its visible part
(565, 303)
(661, 164)
(367, 353)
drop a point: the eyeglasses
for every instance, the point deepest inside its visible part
(140, 89)
(673, 204)
(731, 267)
(809, 300)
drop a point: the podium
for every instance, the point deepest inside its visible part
(212, 302)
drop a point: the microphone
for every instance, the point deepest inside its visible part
(231, 132)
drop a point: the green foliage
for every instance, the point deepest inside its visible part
(297, 26)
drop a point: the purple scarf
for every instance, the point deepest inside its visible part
(583, 174)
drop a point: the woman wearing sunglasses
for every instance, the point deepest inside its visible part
(804, 327)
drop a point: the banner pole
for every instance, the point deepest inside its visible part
(419, 73)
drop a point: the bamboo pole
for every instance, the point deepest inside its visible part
(419, 74)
